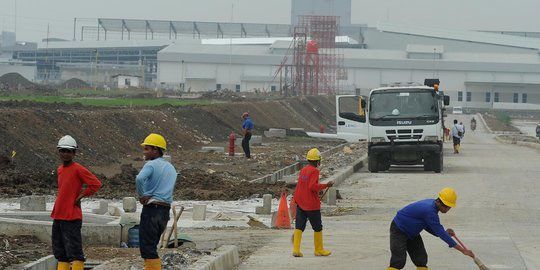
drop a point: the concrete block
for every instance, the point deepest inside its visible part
(102, 209)
(275, 133)
(259, 210)
(224, 258)
(199, 212)
(45, 263)
(267, 204)
(129, 204)
(33, 203)
(127, 221)
(213, 149)
(332, 196)
(256, 140)
(114, 211)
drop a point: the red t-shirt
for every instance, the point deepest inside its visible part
(307, 190)
(70, 182)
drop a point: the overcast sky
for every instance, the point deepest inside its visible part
(34, 15)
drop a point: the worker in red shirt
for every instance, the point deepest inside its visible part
(308, 203)
(67, 213)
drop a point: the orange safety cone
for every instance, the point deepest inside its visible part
(283, 221)
(292, 209)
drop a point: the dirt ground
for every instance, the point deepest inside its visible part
(497, 125)
(109, 143)
(20, 249)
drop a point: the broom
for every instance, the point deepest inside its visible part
(477, 261)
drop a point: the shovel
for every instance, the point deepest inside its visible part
(166, 236)
(477, 261)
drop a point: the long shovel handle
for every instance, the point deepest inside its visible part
(461, 243)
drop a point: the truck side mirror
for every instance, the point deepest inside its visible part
(446, 100)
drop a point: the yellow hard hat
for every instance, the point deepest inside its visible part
(448, 196)
(314, 155)
(155, 140)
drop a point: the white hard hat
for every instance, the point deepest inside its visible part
(67, 142)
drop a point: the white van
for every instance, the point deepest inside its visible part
(457, 110)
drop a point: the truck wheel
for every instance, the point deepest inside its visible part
(437, 162)
(373, 164)
(427, 164)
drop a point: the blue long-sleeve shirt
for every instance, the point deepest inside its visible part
(248, 124)
(422, 215)
(157, 179)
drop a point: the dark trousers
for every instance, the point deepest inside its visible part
(456, 140)
(314, 218)
(67, 240)
(400, 245)
(154, 220)
(245, 145)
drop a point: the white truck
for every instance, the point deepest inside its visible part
(402, 125)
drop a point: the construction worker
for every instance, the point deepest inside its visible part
(247, 129)
(457, 135)
(308, 203)
(155, 186)
(411, 220)
(67, 213)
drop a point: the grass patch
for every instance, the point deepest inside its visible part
(503, 117)
(107, 102)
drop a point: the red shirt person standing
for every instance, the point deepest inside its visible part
(67, 213)
(308, 203)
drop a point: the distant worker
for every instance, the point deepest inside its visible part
(247, 131)
(446, 134)
(308, 203)
(67, 213)
(413, 219)
(457, 134)
(155, 185)
(473, 124)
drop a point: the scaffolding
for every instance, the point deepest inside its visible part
(317, 64)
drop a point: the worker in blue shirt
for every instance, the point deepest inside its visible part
(155, 186)
(247, 129)
(411, 220)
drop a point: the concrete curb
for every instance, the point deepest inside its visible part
(339, 177)
(45, 263)
(224, 258)
(526, 144)
(484, 122)
(291, 169)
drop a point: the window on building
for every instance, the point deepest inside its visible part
(488, 96)
(237, 88)
(218, 86)
(273, 88)
(460, 96)
(469, 95)
(516, 97)
(524, 98)
(496, 97)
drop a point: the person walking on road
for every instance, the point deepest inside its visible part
(308, 203)
(410, 221)
(457, 135)
(155, 185)
(247, 129)
(67, 213)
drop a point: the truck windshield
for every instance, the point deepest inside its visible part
(404, 104)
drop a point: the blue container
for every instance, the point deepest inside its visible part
(133, 237)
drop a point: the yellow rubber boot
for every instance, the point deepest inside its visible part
(297, 240)
(62, 266)
(422, 268)
(319, 247)
(391, 268)
(152, 264)
(77, 265)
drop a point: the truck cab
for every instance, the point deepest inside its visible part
(405, 127)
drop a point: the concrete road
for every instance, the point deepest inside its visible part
(527, 127)
(497, 216)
